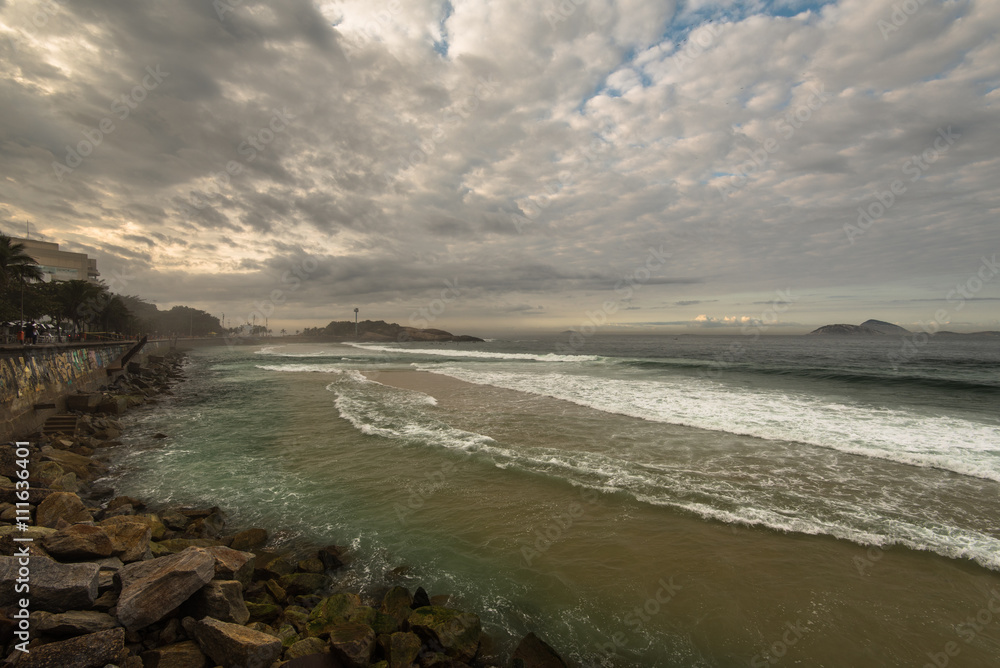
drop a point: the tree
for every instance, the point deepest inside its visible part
(81, 301)
(17, 270)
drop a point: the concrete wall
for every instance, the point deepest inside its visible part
(46, 374)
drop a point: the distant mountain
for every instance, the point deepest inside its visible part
(867, 328)
(379, 330)
(882, 328)
(885, 327)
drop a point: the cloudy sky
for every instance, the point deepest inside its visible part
(485, 166)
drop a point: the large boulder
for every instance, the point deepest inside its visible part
(249, 539)
(129, 536)
(533, 652)
(231, 564)
(153, 589)
(220, 599)
(353, 643)
(403, 649)
(55, 587)
(61, 506)
(94, 650)
(178, 655)
(233, 646)
(306, 647)
(397, 603)
(72, 623)
(78, 542)
(85, 468)
(453, 632)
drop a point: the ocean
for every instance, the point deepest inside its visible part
(634, 500)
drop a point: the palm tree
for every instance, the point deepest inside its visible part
(283, 332)
(15, 263)
(81, 301)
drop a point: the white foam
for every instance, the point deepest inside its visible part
(477, 354)
(301, 368)
(951, 443)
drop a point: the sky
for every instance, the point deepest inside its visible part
(495, 166)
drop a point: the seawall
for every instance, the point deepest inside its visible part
(34, 382)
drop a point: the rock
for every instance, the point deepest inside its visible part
(119, 501)
(306, 647)
(263, 612)
(113, 405)
(231, 564)
(420, 599)
(275, 590)
(178, 655)
(180, 544)
(47, 473)
(72, 623)
(533, 652)
(206, 527)
(84, 467)
(233, 646)
(398, 603)
(332, 557)
(384, 623)
(55, 587)
(85, 403)
(311, 566)
(454, 632)
(67, 483)
(353, 643)
(304, 583)
(94, 650)
(78, 542)
(271, 565)
(220, 599)
(249, 539)
(9, 546)
(174, 520)
(333, 611)
(403, 649)
(159, 435)
(152, 589)
(129, 536)
(61, 506)
(315, 661)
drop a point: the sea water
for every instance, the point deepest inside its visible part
(634, 500)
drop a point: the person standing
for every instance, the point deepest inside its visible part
(33, 333)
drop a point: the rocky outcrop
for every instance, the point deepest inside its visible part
(533, 652)
(152, 589)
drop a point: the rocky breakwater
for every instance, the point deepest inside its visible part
(118, 581)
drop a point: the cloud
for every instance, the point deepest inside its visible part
(535, 156)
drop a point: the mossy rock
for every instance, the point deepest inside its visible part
(384, 623)
(455, 632)
(353, 643)
(296, 584)
(263, 612)
(332, 611)
(306, 647)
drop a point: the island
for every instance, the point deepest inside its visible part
(379, 330)
(882, 328)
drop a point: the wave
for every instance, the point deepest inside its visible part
(904, 436)
(477, 354)
(301, 368)
(793, 506)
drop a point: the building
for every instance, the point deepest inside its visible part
(59, 265)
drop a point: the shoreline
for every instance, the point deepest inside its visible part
(222, 596)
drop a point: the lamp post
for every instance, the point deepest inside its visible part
(355, 323)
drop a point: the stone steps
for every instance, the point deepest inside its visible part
(65, 424)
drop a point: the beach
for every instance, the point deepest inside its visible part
(590, 498)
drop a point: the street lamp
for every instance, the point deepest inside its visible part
(355, 323)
